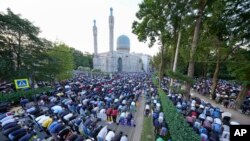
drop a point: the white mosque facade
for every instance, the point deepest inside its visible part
(120, 60)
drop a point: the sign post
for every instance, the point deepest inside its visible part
(21, 83)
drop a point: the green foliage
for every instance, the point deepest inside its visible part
(81, 68)
(24, 54)
(96, 70)
(60, 64)
(15, 97)
(80, 59)
(240, 67)
(22, 51)
(178, 127)
(179, 76)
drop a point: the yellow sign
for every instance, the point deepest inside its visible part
(21, 83)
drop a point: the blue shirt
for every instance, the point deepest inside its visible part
(2, 116)
(26, 137)
(58, 127)
(52, 125)
(19, 131)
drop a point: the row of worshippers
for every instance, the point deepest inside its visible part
(14, 129)
(153, 104)
(93, 98)
(209, 122)
(226, 92)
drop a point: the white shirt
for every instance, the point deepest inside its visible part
(160, 119)
(66, 117)
(56, 108)
(123, 114)
(38, 118)
(133, 103)
(67, 87)
(102, 111)
(217, 120)
(116, 100)
(43, 119)
(124, 101)
(110, 136)
(124, 138)
(103, 132)
(84, 102)
(8, 121)
(155, 101)
(6, 118)
(147, 107)
(96, 109)
(158, 105)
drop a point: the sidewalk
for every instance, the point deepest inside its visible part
(136, 135)
(236, 115)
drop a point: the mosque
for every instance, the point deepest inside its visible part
(120, 60)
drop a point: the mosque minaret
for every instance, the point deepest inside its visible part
(95, 38)
(120, 60)
(111, 31)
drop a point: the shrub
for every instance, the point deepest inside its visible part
(15, 97)
(178, 127)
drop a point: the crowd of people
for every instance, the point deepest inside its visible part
(79, 109)
(211, 123)
(85, 107)
(153, 108)
(226, 93)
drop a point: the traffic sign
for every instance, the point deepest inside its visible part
(21, 83)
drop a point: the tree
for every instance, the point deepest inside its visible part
(152, 26)
(161, 20)
(240, 67)
(60, 64)
(80, 59)
(201, 7)
(21, 50)
(227, 25)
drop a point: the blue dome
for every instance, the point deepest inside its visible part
(123, 43)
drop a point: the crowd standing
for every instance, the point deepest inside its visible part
(226, 93)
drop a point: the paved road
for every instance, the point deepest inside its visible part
(236, 115)
(136, 135)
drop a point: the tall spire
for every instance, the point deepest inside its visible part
(95, 38)
(111, 31)
(111, 11)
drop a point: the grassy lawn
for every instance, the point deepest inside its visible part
(148, 129)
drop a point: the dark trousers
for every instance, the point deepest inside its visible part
(46, 131)
(114, 118)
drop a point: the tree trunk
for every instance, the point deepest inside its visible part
(175, 60)
(174, 48)
(215, 76)
(161, 64)
(242, 95)
(18, 54)
(202, 5)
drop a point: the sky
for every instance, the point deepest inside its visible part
(71, 21)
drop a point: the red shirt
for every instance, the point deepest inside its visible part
(109, 111)
(114, 113)
(194, 114)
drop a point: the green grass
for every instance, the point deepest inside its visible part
(148, 129)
